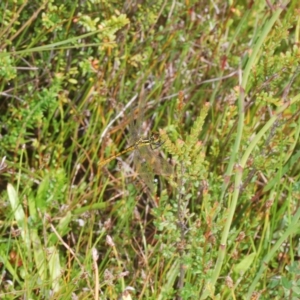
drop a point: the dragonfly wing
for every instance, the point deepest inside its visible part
(137, 116)
(158, 165)
(144, 170)
(148, 163)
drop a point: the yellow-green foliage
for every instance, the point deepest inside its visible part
(188, 150)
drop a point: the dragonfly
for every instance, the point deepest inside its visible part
(146, 160)
(154, 142)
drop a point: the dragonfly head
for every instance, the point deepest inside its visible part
(155, 141)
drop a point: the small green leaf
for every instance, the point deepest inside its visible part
(286, 283)
(296, 290)
(19, 215)
(73, 81)
(39, 254)
(42, 193)
(15, 205)
(62, 228)
(54, 267)
(245, 264)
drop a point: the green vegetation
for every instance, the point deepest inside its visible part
(221, 85)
